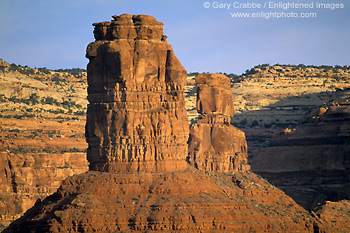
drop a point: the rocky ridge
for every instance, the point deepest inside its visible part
(162, 192)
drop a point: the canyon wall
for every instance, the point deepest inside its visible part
(312, 162)
(25, 178)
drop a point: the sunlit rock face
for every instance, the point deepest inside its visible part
(136, 117)
(214, 144)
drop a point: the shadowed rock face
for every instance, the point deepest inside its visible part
(214, 144)
(311, 163)
(136, 117)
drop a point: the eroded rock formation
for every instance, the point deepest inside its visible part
(214, 144)
(312, 162)
(139, 180)
(136, 117)
(25, 178)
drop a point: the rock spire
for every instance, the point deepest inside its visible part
(136, 118)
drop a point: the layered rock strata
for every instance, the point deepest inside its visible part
(312, 162)
(136, 118)
(25, 178)
(214, 144)
(139, 180)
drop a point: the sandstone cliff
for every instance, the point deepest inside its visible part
(25, 178)
(311, 163)
(137, 131)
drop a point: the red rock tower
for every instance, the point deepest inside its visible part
(215, 145)
(136, 116)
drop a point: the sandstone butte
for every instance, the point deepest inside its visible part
(141, 178)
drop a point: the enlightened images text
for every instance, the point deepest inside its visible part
(276, 5)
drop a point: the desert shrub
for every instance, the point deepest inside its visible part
(72, 71)
(58, 79)
(2, 98)
(193, 74)
(233, 77)
(50, 101)
(2, 68)
(59, 111)
(44, 70)
(337, 78)
(80, 113)
(14, 67)
(68, 104)
(33, 99)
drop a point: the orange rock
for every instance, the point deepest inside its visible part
(214, 94)
(136, 115)
(214, 144)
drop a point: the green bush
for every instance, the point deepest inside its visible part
(33, 99)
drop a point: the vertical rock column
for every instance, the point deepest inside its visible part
(136, 118)
(214, 144)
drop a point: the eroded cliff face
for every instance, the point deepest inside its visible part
(25, 178)
(136, 117)
(137, 130)
(214, 144)
(312, 162)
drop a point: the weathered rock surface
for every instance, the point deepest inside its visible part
(214, 95)
(311, 163)
(336, 215)
(214, 144)
(187, 201)
(139, 180)
(28, 177)
(136, 117)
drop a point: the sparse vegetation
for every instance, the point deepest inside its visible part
(37, 100)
